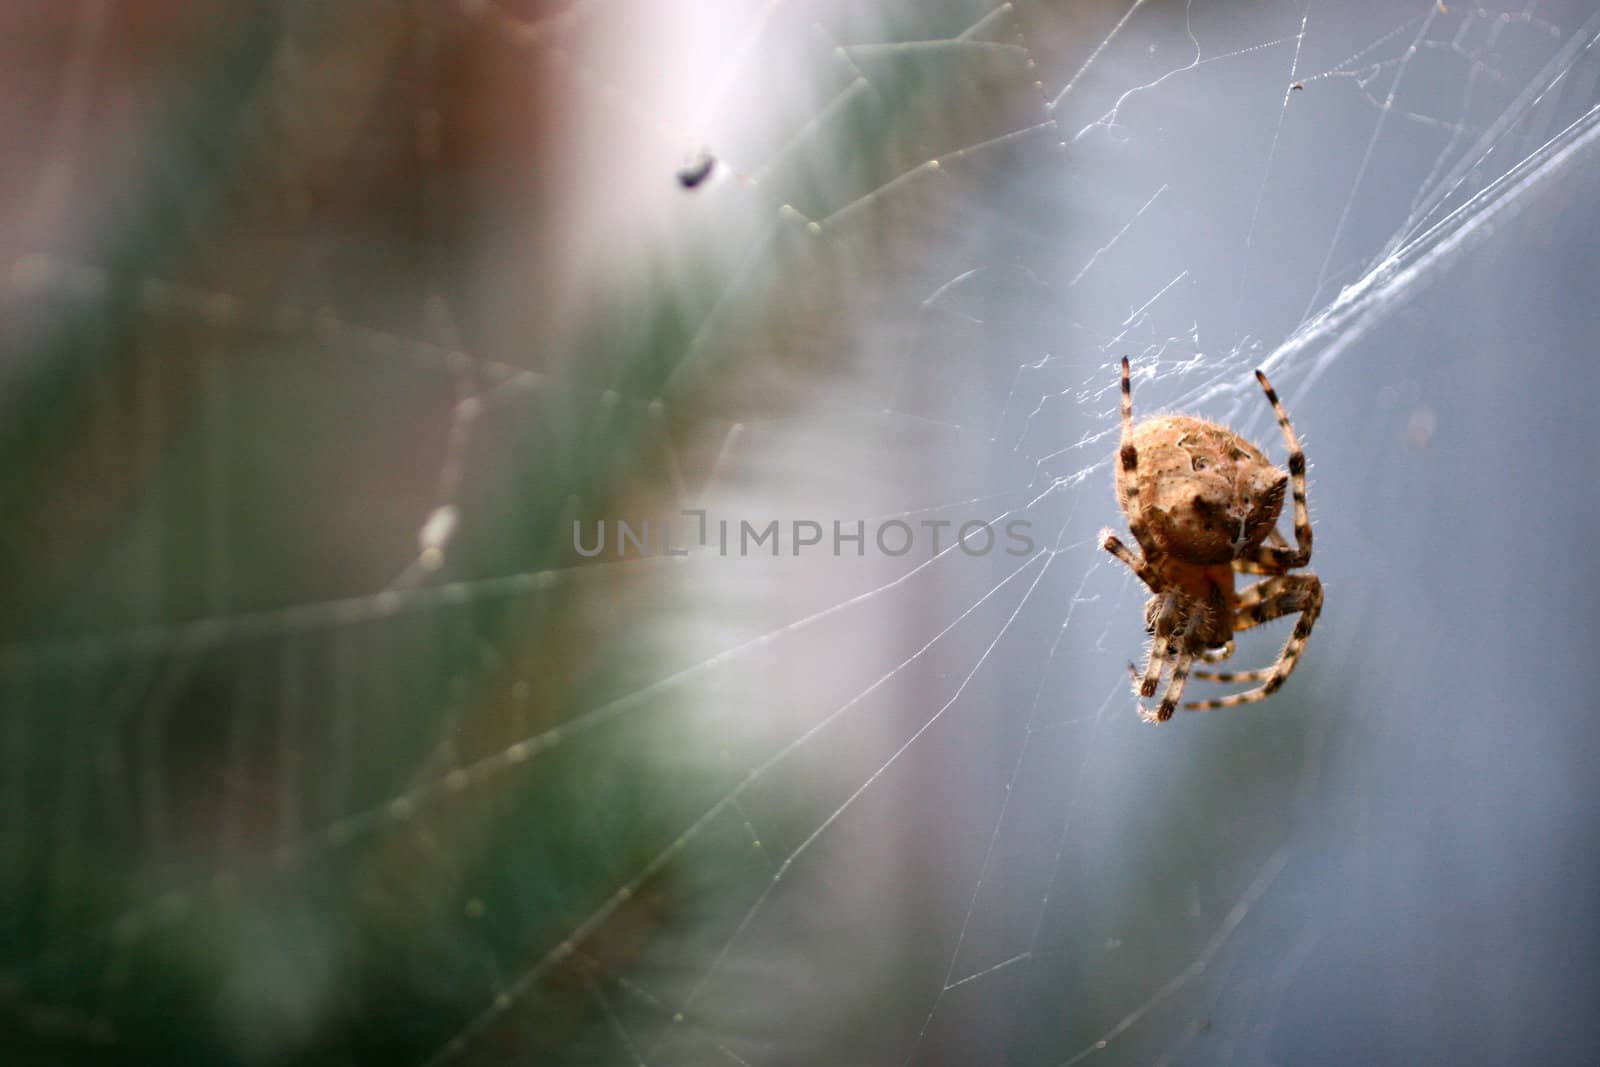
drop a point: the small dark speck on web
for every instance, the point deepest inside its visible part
(697, 172)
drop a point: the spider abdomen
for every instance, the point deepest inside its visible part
(1209, 496)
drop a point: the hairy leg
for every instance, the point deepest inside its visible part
(1295, 592)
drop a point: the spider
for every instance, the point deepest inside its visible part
(1203, 503)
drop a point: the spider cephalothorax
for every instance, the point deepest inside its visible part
(1203, 503)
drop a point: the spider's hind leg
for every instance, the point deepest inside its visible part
(1289, 593)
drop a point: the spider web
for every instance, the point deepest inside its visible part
(320, 741)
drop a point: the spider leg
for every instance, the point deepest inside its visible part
(1233, 676)
(1137, 678)
(1161, 615)
(1217, 655)
(1113, 544)
(1180, 674)
(1159, 651)
(1277, 560)
(1174, 693)
(1288, 593)
(1245, 602)
(1253, 563)
(1293, 592)
(1128, 482)
(1257, 593)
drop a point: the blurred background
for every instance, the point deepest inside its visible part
(325, 324)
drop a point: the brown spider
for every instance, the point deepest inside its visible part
(1203, 503)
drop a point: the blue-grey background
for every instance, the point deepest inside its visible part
(324, 324)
